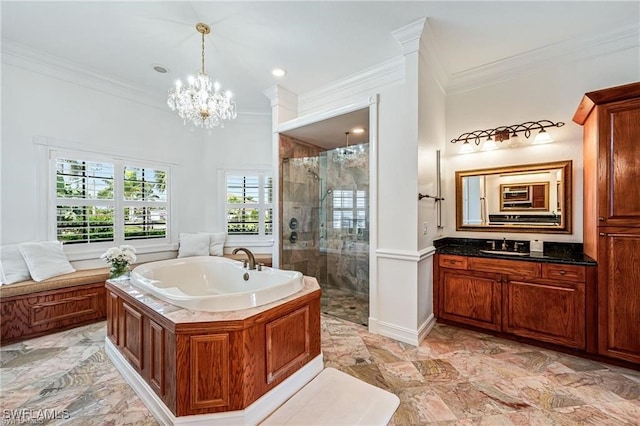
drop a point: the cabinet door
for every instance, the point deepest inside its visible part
(619, 294)
(472, 298)
(552, 313)
(619, 164)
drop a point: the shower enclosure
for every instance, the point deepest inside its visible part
(325, 226)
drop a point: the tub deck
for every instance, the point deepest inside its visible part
(211, 362)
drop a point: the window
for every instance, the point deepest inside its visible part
(349, 210)
(249, 204)
(107, 200)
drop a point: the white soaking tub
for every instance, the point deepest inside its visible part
(214, 284)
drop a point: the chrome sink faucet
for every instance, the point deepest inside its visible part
(252, 259)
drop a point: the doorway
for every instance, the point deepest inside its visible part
(324, 214)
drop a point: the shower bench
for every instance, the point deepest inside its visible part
(30, 309)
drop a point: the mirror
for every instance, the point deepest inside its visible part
(527, 198)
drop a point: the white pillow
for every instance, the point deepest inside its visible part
(13, 268)
(45, 259)
(193, 245)
(216, 243)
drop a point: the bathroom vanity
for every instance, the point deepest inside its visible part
(549, 298)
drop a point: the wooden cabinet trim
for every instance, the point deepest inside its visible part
(209, 357)
(282, 335)
(483, 306)
(557, 315)
(156, 357)
(556, 271)
(505, 266)
(452, 261)
(132, 335)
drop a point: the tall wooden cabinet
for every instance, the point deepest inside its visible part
(611, 120)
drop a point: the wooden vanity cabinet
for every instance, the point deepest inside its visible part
(611, 121)
(548, 309)
(469, 297)
(619, 293)
(541, 301)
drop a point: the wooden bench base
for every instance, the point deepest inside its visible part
(26, 312)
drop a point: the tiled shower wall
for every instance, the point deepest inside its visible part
(299, 200)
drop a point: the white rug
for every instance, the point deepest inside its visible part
(336, 398)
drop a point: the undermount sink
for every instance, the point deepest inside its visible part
(506, 253)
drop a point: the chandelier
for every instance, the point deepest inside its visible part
(345, 154)
(200, 101)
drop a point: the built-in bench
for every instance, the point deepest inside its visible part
(30, 309)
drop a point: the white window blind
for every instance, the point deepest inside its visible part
(108, 200)
(249, 203)
(349, 209)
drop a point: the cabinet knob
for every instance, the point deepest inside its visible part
(562, 272)
(453, 262)
(602, 234)
(601, 219)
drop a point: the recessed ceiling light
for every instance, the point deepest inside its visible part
(279, 72)
(160, 68)
(358, 130)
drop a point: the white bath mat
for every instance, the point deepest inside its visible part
(336, 398)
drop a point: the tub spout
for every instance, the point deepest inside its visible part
(252, 259)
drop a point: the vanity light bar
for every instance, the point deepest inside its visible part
(503, 133)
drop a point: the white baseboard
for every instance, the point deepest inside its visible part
(251, 415)
(403, 334)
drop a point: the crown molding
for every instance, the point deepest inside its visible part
(409, 36)
(433, 53)
(24, 57)
(580, 48)
(364, 82)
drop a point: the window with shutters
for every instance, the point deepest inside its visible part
(249, 204)
(349, 210)
(103, 200)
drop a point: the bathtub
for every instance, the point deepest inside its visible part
(214, 284)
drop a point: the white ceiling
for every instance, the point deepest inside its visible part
(317, 42)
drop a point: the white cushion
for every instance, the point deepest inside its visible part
(216, 243)
(193, 245)
(45, 259)
(13, 268)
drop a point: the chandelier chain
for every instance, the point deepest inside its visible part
(203, 53)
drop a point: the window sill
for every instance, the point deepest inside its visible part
(79, 253)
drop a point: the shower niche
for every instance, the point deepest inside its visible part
(324, 195)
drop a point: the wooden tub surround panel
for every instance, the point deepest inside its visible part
(288, 343)
(207, 362)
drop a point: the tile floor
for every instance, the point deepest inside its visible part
(454, 377)
(344, 305)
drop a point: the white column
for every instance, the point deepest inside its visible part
(284, 107)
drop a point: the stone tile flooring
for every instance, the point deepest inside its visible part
(454, 377)
(345, 305)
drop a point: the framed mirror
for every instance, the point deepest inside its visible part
(527, 198)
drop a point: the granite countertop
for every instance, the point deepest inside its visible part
(554, 252)
(178, 315)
